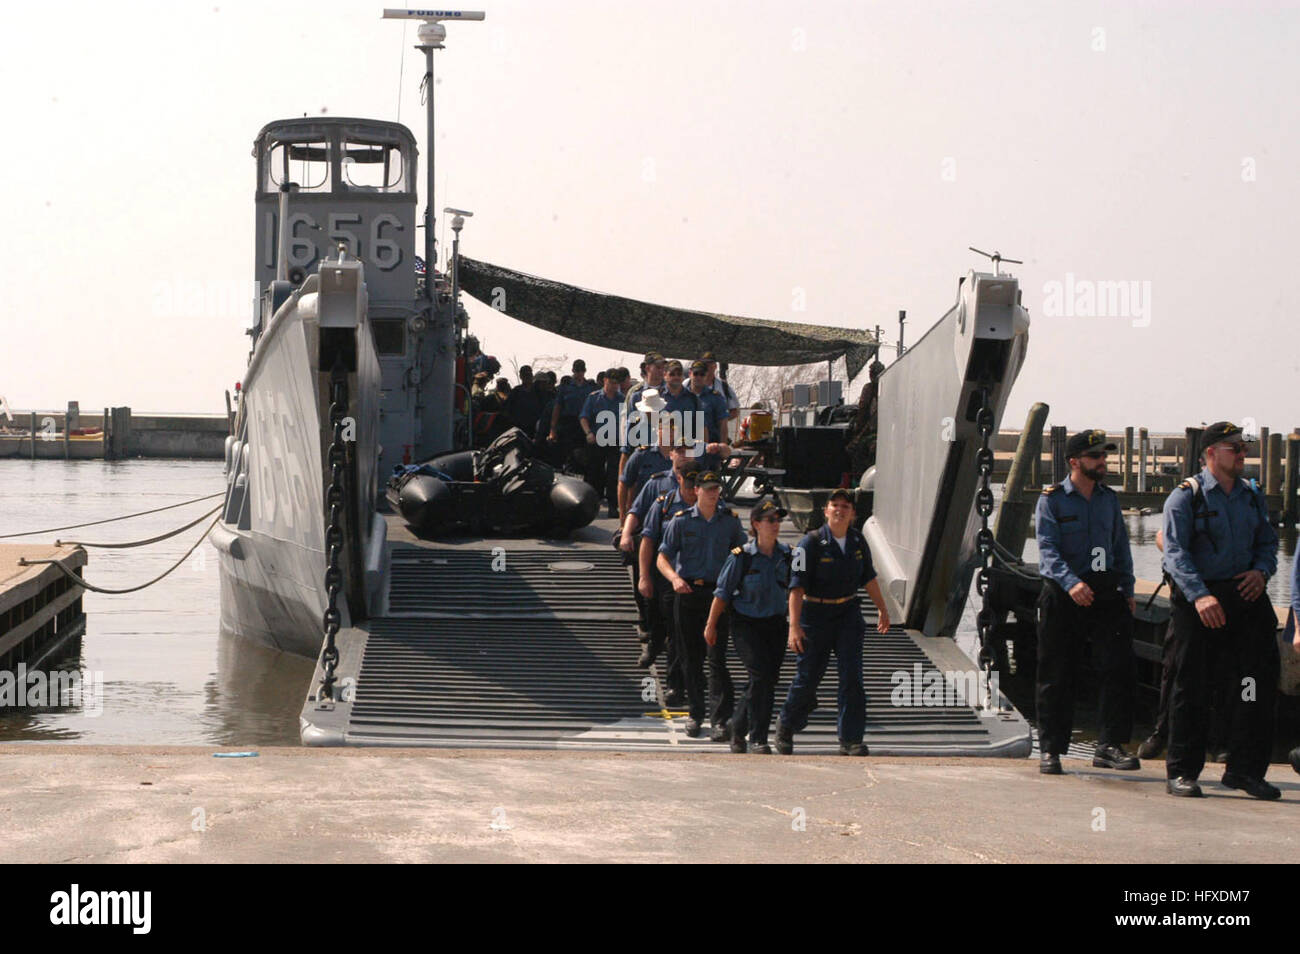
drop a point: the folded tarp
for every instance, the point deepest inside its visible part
(624, 324)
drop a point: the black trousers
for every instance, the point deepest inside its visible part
(760, 644)
(1245, 653)
(602, 472)
(642, 604)
(665, 601)
(1064, 630)
(1220, 693)
(692, 613)
(572, 441)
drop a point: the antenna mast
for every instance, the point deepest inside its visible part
(430, 37)
(997, 259)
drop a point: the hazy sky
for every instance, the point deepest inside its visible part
(719, 156)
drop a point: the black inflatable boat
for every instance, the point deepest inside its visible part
(502, 489)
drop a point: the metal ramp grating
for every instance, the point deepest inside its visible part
(574, 584)
(574, 683)
(541, 653)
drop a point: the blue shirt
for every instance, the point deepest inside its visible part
(831, 573)
(632, 415)
(656, 486)
(1072, 529)
(696, 547)
(714, 407)
(601, 412)
(644, 463)
(764, 588)
(572, 396)
(1232, 535)
(660, 513)
(684, 402)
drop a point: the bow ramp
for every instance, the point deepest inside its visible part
(531, 644)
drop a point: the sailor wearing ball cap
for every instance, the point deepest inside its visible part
(695, 546)
(1087, 595)
(831, 564)
(1220, 550)
(755, 582)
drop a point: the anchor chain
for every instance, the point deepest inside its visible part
(984, 541)
(333, 528)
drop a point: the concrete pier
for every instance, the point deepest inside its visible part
(40, 608)
(131, 804)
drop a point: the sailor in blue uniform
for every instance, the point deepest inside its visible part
(1293, 634)
(634, 407)
(1087, 595)
(656, 591)
(566, 429)
(1220, 550)
(647, 459)
(695, 546)
(755, 582)
(648, 487)
(599, 421)
(713, 410)
(828, 567)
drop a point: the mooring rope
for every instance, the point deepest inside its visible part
(95, 523)
(139, 543)
(23, 561)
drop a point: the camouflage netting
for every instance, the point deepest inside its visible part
(624, 324)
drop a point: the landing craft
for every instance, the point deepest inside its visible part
(358, 369)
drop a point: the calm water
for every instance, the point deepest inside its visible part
(169, 676)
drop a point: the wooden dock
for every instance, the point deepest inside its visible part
(40, 608)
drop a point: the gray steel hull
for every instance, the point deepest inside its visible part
(270, 541)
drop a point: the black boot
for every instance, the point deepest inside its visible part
(1151, 746)
(784, 742)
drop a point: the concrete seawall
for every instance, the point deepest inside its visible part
(114, 435)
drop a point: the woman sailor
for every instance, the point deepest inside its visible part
(755, 580)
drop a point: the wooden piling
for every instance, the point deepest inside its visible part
(1128, 460)
(33, 426)
(1060, 467)
(1274, 486)
(1142, 460)
(1192, 451)
(1263, 458)
(1017, 507)
(1289, 486)
(107, 432)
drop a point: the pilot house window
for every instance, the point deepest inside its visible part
(373, 166)
(304, 163)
